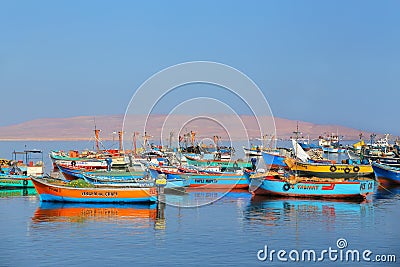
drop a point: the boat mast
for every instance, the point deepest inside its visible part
(135, 134)
(295, 148)
(96, 135)
(120, 140)
(192, 137)
(171, 134)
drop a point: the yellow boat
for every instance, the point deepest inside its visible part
(329, 170)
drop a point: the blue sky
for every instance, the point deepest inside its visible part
(330, 62)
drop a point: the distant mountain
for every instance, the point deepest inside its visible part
(81, 128)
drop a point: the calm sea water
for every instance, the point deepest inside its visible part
(228, 232)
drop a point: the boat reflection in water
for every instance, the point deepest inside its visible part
(274, 211)
(17, 192)
(144, 215)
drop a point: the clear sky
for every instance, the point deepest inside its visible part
(330, 62)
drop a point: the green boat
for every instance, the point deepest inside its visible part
(15, 181)
(222, 163)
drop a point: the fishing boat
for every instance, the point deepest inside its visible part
(72, 173)
(17, 173)
(330, 144)
(15, 181)
(277, 160)
(49, 190)
(392, 162)
(386, 173)
(101, 181)
(325, 170)
(223, 163)
(217, 180)
(276, 185)
(60, 158)
(17, 192)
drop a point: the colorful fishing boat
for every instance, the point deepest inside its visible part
(58, 157)
(329, 170)
(15, 181)
(60, 192)
(101, 181)
(223, 163)
(72, 173)
(17, 173)
(276, 185)
(278, 161)
(17, 192)
(386, 173)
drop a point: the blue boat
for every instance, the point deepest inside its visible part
(113, 182)
(386, 173)
(308, 146)
(276, 185)
(72, 173)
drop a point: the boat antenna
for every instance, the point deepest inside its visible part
(295, 148)
(120, 135)
(297, 137)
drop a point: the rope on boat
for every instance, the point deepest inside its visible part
(380, 184)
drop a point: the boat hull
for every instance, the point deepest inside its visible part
(83, 163)
(70, 173)
(218, 181)
(312, 189)
(331, 170)
(15, 181)
(386, 173)
(56, 193)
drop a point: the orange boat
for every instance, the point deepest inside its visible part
(61, 193)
